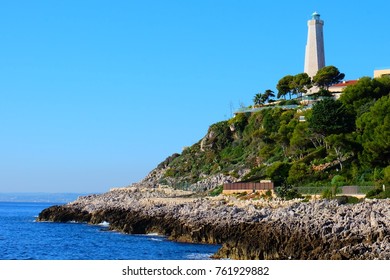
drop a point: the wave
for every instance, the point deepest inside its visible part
(156, 239)
(153, 234)
(104, 224)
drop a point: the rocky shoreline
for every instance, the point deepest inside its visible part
(256, 229)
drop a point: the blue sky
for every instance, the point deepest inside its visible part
(94, 94)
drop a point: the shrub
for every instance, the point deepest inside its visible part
(353, 200)
(384, 194)
(386, 175)
(373, 193)
(255, 174)
(267, 195)
(327, 194)
(239, 122)
(170, 172)
(379, 193)
(216, 191)
(292, 102)
(287, 192)
(330, 193)
(278, 172)
(338, 181)
(299, 172)
(241, 194)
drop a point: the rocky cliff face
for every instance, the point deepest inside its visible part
(203, 166)
(158, 178)
(247, 230)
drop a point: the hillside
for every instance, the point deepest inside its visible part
(341, 142)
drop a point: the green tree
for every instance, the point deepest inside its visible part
(278, 172)
(300, 83)
(342, 146)
(283, 86)
(323, 92)
(362, 95)
(267, 96)
(300, 141)
(298, 173)
(271, 120)
(218, 137)
(286, 128)
(374, 127)
(258, 99)
(261, 98)
(238, 122)
(328, 76)
(329, 116)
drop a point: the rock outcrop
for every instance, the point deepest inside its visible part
(156, 176)
(262, 229)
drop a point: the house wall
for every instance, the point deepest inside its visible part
(380, 73)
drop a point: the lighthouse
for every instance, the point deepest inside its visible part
(315, 53)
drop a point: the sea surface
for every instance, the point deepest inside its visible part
(22, 238)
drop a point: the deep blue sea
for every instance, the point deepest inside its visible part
(21, 238)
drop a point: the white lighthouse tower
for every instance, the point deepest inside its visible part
(315, 53)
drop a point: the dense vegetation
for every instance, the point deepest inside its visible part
(345, 141)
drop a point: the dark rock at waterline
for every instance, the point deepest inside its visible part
(246, 229)
(63, 214)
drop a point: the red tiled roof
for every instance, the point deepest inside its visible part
(345, 83)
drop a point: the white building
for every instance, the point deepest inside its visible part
(337, 89)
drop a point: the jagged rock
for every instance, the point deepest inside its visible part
(64, 214)
(260, 229)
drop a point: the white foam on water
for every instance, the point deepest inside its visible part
(153, 234)
(156, 239)
(198, 256)
(104, 224)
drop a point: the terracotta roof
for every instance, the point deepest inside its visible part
(345, 83)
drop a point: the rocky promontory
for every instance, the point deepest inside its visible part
(247, 229)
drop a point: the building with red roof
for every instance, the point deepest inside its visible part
(337, 89)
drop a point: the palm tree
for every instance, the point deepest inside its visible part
(267, 95)
(258, 99)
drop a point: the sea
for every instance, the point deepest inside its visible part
(23, 238)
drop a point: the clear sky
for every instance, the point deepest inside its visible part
(94, 94)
